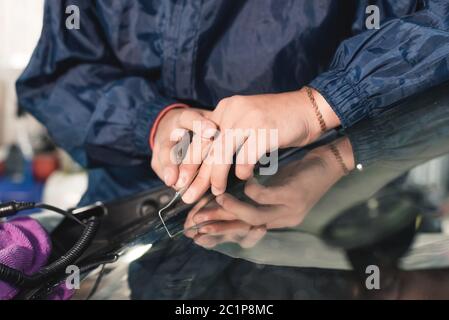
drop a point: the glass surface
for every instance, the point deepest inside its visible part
(307, 232)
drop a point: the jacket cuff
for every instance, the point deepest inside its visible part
(159, 118)
(342, 95)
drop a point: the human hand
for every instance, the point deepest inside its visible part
(211, 233)
(170, 130)
(247, 126)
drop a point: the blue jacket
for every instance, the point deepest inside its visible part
(99, 88)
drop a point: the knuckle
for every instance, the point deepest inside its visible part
(237, 99)
(223, 103)
(184, 116)
(234, 99)
(153, 163)
(231, 101)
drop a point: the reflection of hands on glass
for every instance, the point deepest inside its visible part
(283, 201)
(226, 228)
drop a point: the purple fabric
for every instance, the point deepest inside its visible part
(25, 246)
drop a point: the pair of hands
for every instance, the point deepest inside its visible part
(283, 200)
(290, 114)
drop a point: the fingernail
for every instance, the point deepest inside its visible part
(216, 191)
(209, 133)
(182, 179)
(208, 130)
(219, 200)
(167, 176)
(189, 196)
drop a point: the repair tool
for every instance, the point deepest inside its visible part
(185, 142)
(177, 195)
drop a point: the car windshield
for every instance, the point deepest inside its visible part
(309, 231)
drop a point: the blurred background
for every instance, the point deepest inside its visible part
(31, 168)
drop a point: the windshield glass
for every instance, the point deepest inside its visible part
(309, 231)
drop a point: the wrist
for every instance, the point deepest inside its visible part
(159, 118)
(320, 116)
(337, 161)
(339, 156)
(345, 148)
(331, 169)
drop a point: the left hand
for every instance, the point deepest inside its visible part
(290, 114)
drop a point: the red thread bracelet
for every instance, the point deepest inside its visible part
(159, 118)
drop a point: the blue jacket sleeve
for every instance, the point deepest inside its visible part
(93, 107)
(376, 69)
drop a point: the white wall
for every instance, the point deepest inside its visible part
(20, 27)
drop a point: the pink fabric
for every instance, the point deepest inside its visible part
(25, 246)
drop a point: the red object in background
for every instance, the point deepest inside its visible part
(44, 165)
(2, 168)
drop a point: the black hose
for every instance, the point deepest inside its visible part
(65, 213)
(11, 208)
(39, 293)
(19, 279)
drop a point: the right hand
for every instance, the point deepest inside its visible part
(170, 131)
